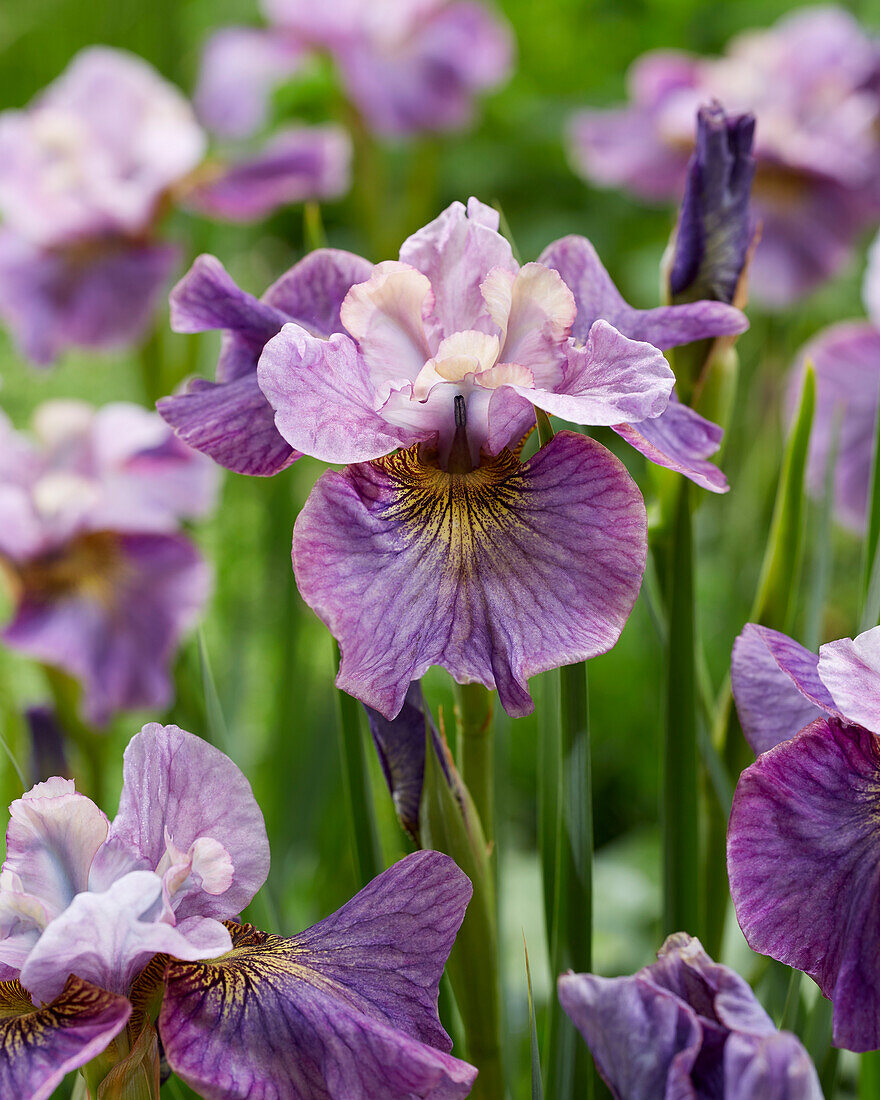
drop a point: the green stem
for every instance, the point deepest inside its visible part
(869, 1076)
(476, 750)
(682, 894)
(359, 794)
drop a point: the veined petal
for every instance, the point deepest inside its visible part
(324, 396)
(850, 670)
(177, 785)
(41, 1045)
(609, 381)
(22, 920)
(346, 1010)
(802, 852)
(386, 316)
(495, 575)
(51, 840)
(598, 298)
(776, 686)
(679, 439)
(313, 290)
(106, 938)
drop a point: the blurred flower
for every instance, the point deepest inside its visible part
(812, 83)
(230, 419)
(802, 842)
(48, 756)
(103, 585)
(410, 66)
(452, 551)
(846, 359)
(88, 170)
(686, 1026)
(86, 906)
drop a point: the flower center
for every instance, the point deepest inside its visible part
(89, 565)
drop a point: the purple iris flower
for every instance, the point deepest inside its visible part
(437, 545)
(686, 1028)
(230, 419)
(802, 842)
(811, 82)
(846, 359)
(87, 171)
(347, 1008)
(103, 585)
(407, 67)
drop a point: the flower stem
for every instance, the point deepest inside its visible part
(356, 778)
(682, 894)
(476, 751)
(869, 1076)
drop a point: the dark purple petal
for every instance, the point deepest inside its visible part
(160, 581)
(177, 786)
(776, 686)
(802, 855)
(232, 422)
(597, 298)
(346, 1010)
(313, 290)
(681, 440)
(42, 1045)
(101, 298)
(538, 565)
(48, 755)
(295, 166)
(715, 227)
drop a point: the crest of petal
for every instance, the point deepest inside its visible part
(106, 938)
(42, 1045)
(850, 670)
(597, 298)
(802, 853)
(51, 840)
(456, 251)
(495, 575)
(177, 786)
(776, 686)
(325, 398)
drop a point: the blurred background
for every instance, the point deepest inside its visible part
(257, 679)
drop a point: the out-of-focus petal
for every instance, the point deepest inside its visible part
(769, 1067)
(540, 568)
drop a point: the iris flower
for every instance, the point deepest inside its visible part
(437, 544)
(103, 584)
(110, 928)
(410, 66)
(87, 171)
(803, 846)
(686, 1027)
(811, 81)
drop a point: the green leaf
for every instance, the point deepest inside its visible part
(537, 1082)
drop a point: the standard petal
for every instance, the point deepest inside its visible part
(306, 162)
(497, 575)
(51, 840)
(42, 1045)
(850, 670)
(233, 423)
(597, 298)
(610, 380)
(802, 853)
(679, 439)
(177, 785)
(635, 1031)
(324, 396)
(313, 290)
(456, 251)
(776, 686)
(106, 938)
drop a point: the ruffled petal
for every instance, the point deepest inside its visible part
(769, 1067)
(313, 290)
(106, 938)
(307, 162)
(776, 686)
(325, 398)
(802, 856)
(346, 1010)
(42, 1045)
(679, 439)
(51, 840)
(496, 575)
(598, 298)
(177, 786)
(850, 670)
